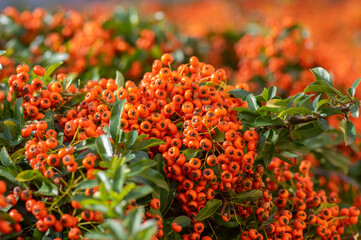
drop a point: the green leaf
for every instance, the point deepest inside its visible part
(325, 205)
(335, 158)
(283, 158)
(348, 130)
(140, 166)
(295, 110)
(115, 117)
(250, 195)
(264, 121)
(315, 103)
(2, 52)
(6, 130)
(322, 87)
(352, 89)
(104, 147)
(119, 79)
(269, 151)
(139, 192)
(47, 189)
(6, 174)
(98, 235)
(272, 92)
(147, 143)
(155, 177)
(49, 70)
(252, 102)
(76, 99)
(89, 183)
(130, 138)
(323, 124)
(354, 110)
(191, 153)
(183, 221)
(5, 158)
(86, 144)
(293, 147)
(240, 93)
(322, 74)
(208, 210)
(219, 136)
(264, 94)
(18, 113)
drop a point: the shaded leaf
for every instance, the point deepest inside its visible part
(208, 210)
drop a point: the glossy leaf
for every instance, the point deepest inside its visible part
(115, 117)
(253, 194)
(119, 79)
(140, 166)
(104, 147)
(49, 70)
(147, 143)
(155, 177)
(251, 102)
(211, 208)
(183, 221)
(322, 74)
(352, 89)
(355, 110)
(240, 93)
(349, 131)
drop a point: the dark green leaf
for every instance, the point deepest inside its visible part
(264, 121)
(183, 221)
(47, 189)
(349, 131)
(354, 110)
(251, 102)
(5, 158)
(335, 158)
(6, 174)
(76, 99)
(140, 166)
(208, 210)
(86, 144)
(250, 195)
(89, 183)
(6, 130)
(323, 124)
(283, 158)
(130, 138)
(293, 147)
(104, 147)
(269, 151)
(295, 110)
(18, 113)
(272, 92)
(115, 117)
(155, 177)
(322, 87)
(240, 93)
(315, 103)
(139, 193)
(352, 89)
(322, 74)
(147, 143)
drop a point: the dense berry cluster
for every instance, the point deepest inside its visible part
(206, 152)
